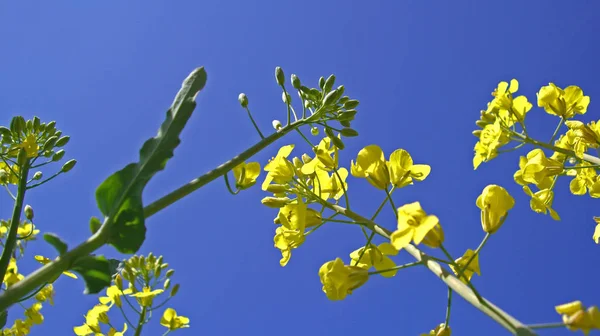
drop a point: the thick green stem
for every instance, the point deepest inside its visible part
(97, 240)
(11, 240)
(140, 325)
(485, 306)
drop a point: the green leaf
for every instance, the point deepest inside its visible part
(95, 271)
(3, 318)
(55, 241)
(95, 224)
(119, 197)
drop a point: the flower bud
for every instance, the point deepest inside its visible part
(37, 176)
(494, 202)
(297, 162)
(174, 290)
(3, 177)
(69, 165)
(49, 143)
(277, 188)
(170, 273)
(62, 141)
(477, 133)
(29, 212)
(119, 281)
(329, 83)
(243, 99)
(167, 284)
(275, 202)
(348, 132)
(322, 82)
(314, 131)
(286, 98)
(277, 125)
(279, 76)
(351, 104)
(435, 237)
(296, 82)
(330, 98)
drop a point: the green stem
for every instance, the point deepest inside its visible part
(125, 316)
(364, 250)
(305, 139)
(11, 239)
(485, 306)
(229, 186)
(389, 196)
(254, 123)
(481, 245)
(140, 325)
(562, 121)
(44, 181)
(399, 267)
(547, 325)
(447, 322)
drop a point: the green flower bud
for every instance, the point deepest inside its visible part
(286, 98)
(36, 124)
(314, 131)
(164, 265)
(481, 123)
(279, 76)
(3, 177)
(169, 273)
(5, 131)
(330, 98)
(297, 163)
(37, 176)
(348, 132)
(119, 282)
(322, 82)
(174, 290)
(275, 202)
(62, 141)
(329, 83)
(296, 82)
(277, 125)
(306, 158)
(167, 284)
(159, 260)
(69, 165)
(243, 99)
(351, 104)
(278, 188)
(28, 212)
(58, 155)
(477, 133)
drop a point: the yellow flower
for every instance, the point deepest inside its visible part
(290, 234)
(113, 296)
(245, 174)
(12, 275)
(326, 158)
(10, 172)
(584, 179)
(43, 260)
(30, 145)
(292, 213)
(279, 169)
(576, 317)
(172, 321)
(494, 203)
(589, 133)
(33, 314)
(340, 280)
(146, 296)
(27, 230)
(508, 109)
(325, 186)
(21, 328)
(492, 137)
(538, 168)
(114, 332)
(570, 141)
(541, 201)
(596, 235)
(471, 269)
(375, 256)
(403, 171)
(46, 294)
(93, 318)
(563, 103)
(371, 164)
(440, 330)
(413, 224)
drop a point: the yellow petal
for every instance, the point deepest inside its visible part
(424, 227)
(401, 238)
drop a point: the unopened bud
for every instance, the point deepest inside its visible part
(277, 188)
(435, 237)
(3, 177)
(119, 281)
(279, 76)
(477, 133)
(351, 104)
(329, 83)
(58, 155)
(38, 175)
(62, 141)
(243, 99)
(481, 123)
(286, 98)
(174, 290)
(296, 82)
(330, 98)
(159, 260)
(348, 132)
(167, 284)
(68, 165)
(170, 273)
(277, 125)
(29, 212)
(306, 158)
(275, 202)
(314, 131)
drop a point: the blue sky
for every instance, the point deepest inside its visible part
(107, 71)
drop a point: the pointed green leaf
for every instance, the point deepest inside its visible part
(119, 197)
(55, 241)
(95, 271)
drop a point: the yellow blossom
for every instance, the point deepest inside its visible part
(589, 133)
(377, 257)
(563, 103)
(43, 260)
(508, 109)
(576, 317)
(30, 145)
(93, 318)
(541, 201)
(245, 174)
(340, 280)
(20, 328)
(494, 203)
(473, 267)
(440, 330)
(538, 167)
(146, 296)
(326, 186)
(27, 230)
(326, 158)
(413, 225)
(584, 179)
(492, 137)
(172, 321)
(371, 164)
(11, 172)
(114, 332)
(403, 171)
(596, 235)
(572, 142)
(279, 169)
(290, 234)
(46, 294)
(33, 314)
(113, 296)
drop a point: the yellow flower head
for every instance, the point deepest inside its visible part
(403, 171)
(440, 330)
(326, 158)
(492, 137)
(576, 317)
(280, 169)
(33, 314)
(93, 318)
(371, 164)
(377, 257)
(246, 174)
(541, 201)
(46, 294)
(508, 109)
(589, 133)
(563, 103)
(30, 145)
(10, 173)
(113, 332)
(172, 321)
(326, 186)
(146, 296)
(413, 225)
(286, 240)
(494, 203)
(297, 216)
(27, 231)
(113, 296)
(340, 280)
(473, 267)
(537, 168)
(584, 179)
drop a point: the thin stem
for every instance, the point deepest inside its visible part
(328, 219)
(10, 193)
(364, 250)
(229, 186)
(140, 325)
(162, 304)
(389, 196)
(399, 267)
(11, 239)
(45, 181)
(582, 167)
(341, 221)
(547, 325)
(346, 198)
(381, 206)
(305, 139)
(129, 303)
(125, 316)
(289, 111)
(481, 245)
(254, 123)
(562, 121)
(447, 322)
